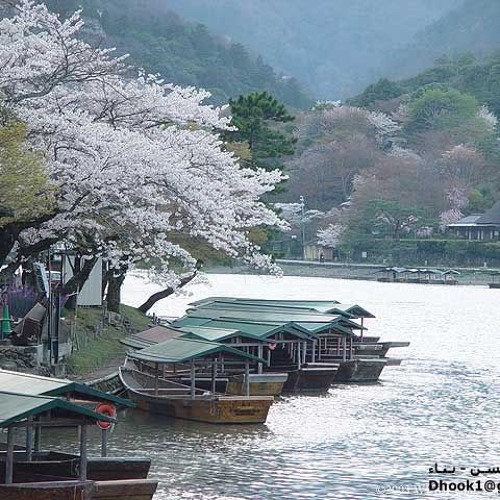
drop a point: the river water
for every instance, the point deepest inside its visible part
(441, 406)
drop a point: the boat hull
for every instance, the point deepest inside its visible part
(129, 489)
(65, 465)
(360, 370)
(310, 379)
(50, 490)
(379, 349)
(212, 408)
(261, 384)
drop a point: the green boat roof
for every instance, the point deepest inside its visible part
(151, 336)
(310, 303)
(36, 385)
(181, 350)
(322, 306)
(259, 316)
(16, 407)
(318, 328)
(130, 341)
(261, 330)
(214, 334)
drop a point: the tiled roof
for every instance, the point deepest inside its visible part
(491, 216)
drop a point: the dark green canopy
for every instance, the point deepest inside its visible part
(182, 350)
(36, 385)
(16, 408)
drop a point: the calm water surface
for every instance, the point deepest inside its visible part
(358, 442)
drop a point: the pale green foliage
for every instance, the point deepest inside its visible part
(440, 107)
(25, 190)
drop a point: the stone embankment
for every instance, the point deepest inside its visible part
(467, 276)
(23, 359)
(342, 270)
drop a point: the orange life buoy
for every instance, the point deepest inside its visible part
(272, 347)
(105, 409)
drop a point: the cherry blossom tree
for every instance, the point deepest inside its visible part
(330, 236)
(138, 164)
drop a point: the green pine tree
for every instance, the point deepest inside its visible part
(259, 118)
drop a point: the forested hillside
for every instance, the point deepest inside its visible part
(401, 160)
(472, 27)
(335, 47)
(160, 41)
(477, 76)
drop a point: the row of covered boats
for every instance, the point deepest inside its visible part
(227, 358)
(225, 361)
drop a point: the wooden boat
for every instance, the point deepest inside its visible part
(424, 276)
(330, 352)
(355, 370)
(52, 463)
(311, 378)
(31, 475)
(52, 488)
(110, 383)
(360, 370)
(261, 384)
(48, 490)
(495, 279)
(230, 381)
(178, 401)
(124, 489)
(376, 349)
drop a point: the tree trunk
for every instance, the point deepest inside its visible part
(78, 279)
(8, 236)
(144, 308)
(9, 233)
(113, 297)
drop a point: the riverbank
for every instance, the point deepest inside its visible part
(99, 351)
(342, 270)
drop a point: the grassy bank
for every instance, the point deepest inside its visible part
(97, 341)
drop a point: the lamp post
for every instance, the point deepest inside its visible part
(302, 226)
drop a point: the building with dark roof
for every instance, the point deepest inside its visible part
(479, 227)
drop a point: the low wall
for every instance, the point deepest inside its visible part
(20, 358)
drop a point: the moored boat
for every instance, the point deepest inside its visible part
(176, 400)
(28, 474)
(155, 389)
(360, 370)
(332, 343)
(310, 378)
(261, 384)
(56, 463)
(379, 349)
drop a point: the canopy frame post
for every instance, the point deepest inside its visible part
(29, 439)
(9, 459)
(193, 379)
(260, 351)
(214, 373)
(247, 378)
(104, 442)
(156, 378)
(83, 452)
